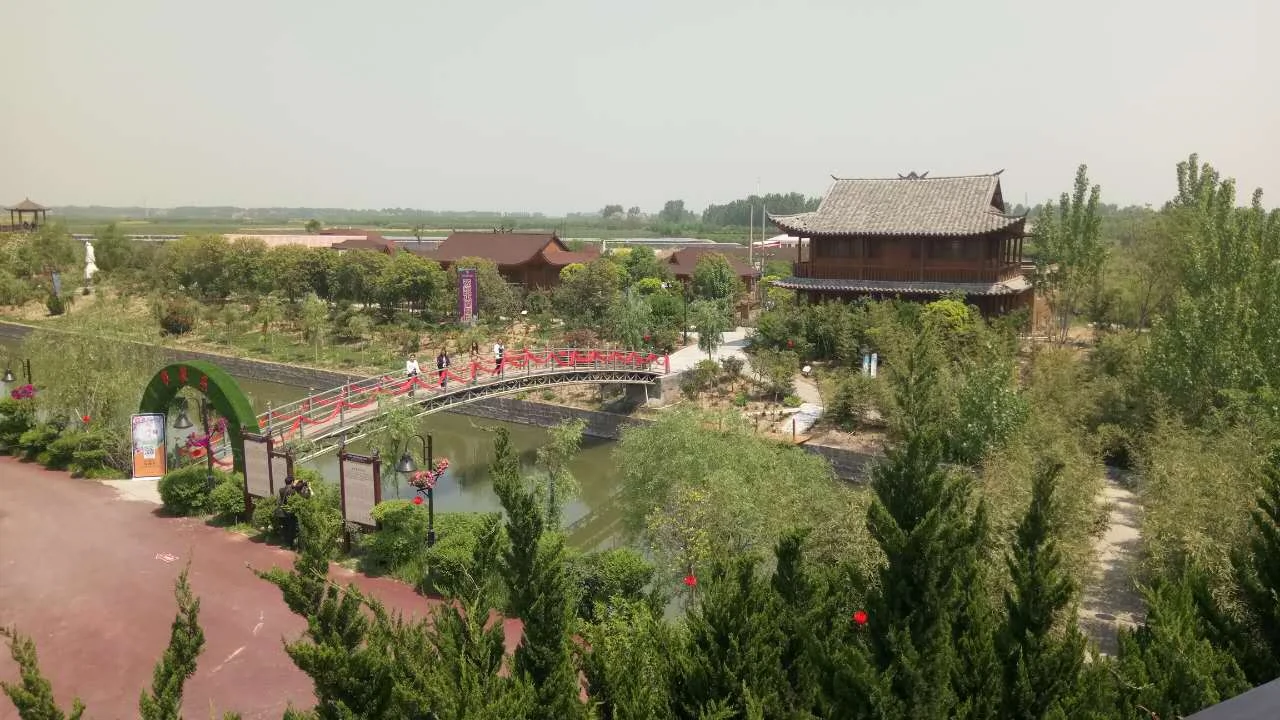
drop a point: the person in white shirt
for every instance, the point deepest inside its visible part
(497, 356)
(411, 370)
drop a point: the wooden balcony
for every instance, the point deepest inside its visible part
(934, 272)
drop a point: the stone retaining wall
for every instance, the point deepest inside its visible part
(847, 464)
(604, 425)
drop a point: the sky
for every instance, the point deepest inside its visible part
(566, 106)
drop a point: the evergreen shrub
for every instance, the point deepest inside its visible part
(186, 491)
(610, 575)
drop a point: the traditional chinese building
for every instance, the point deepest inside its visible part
(533, 260)
(914, 237)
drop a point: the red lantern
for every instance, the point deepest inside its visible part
(860, 617)
(164, 376)
(182, 374)
(417, 499)
(204, 383)
(690, 581)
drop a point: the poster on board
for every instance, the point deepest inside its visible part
(148, 437)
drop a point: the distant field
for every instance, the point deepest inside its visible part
(179, 226)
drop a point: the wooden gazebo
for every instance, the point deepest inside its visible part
(17, 214)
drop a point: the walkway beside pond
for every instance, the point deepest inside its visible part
(89, 576)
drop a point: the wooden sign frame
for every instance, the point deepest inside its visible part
(255, 439)
(343, 458)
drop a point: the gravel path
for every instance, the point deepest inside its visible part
(1111, 599)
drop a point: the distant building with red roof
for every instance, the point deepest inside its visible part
(533, 260)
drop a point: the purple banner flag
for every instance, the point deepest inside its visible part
(468, 288)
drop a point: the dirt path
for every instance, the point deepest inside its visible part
(88, 571)
(1111, 598)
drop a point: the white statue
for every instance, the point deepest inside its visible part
(90, 267)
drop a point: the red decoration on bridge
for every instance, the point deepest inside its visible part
(348, 403)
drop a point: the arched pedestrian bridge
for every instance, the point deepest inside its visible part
(319, 423)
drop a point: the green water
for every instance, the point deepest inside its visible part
(592, 518)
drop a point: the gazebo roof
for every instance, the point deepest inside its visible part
(26, 206)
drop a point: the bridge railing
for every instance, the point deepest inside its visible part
(322, 408)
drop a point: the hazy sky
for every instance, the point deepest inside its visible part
(567, 105)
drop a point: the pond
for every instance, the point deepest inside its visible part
(592, 518)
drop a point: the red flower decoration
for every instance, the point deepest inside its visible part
(690, 581)
(860, 617)
(164, 376)
(417, 499)
(84, 419)
(182, 374)
(204, 383)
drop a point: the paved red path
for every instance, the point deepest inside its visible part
(79, 573)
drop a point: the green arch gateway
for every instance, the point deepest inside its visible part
(218, 386)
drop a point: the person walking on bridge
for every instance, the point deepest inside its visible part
(497, 357)
(442, 364)
(411, 371)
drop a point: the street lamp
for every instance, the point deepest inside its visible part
(407, 468)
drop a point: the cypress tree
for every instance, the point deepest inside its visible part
(1167, 667)
(804, 616)
(540, 591)
(923, 653)
(33, 694)
(452, 662)
(343, 650)
(734, 646)
(178, 664)
(1041, 668)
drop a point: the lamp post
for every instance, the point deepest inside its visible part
(407, 467)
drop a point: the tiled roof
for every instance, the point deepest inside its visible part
(561, 259)
(501, 248)
(371, 241)
(905, 287)
(685, 260)
(27, 206)
(912, 205)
